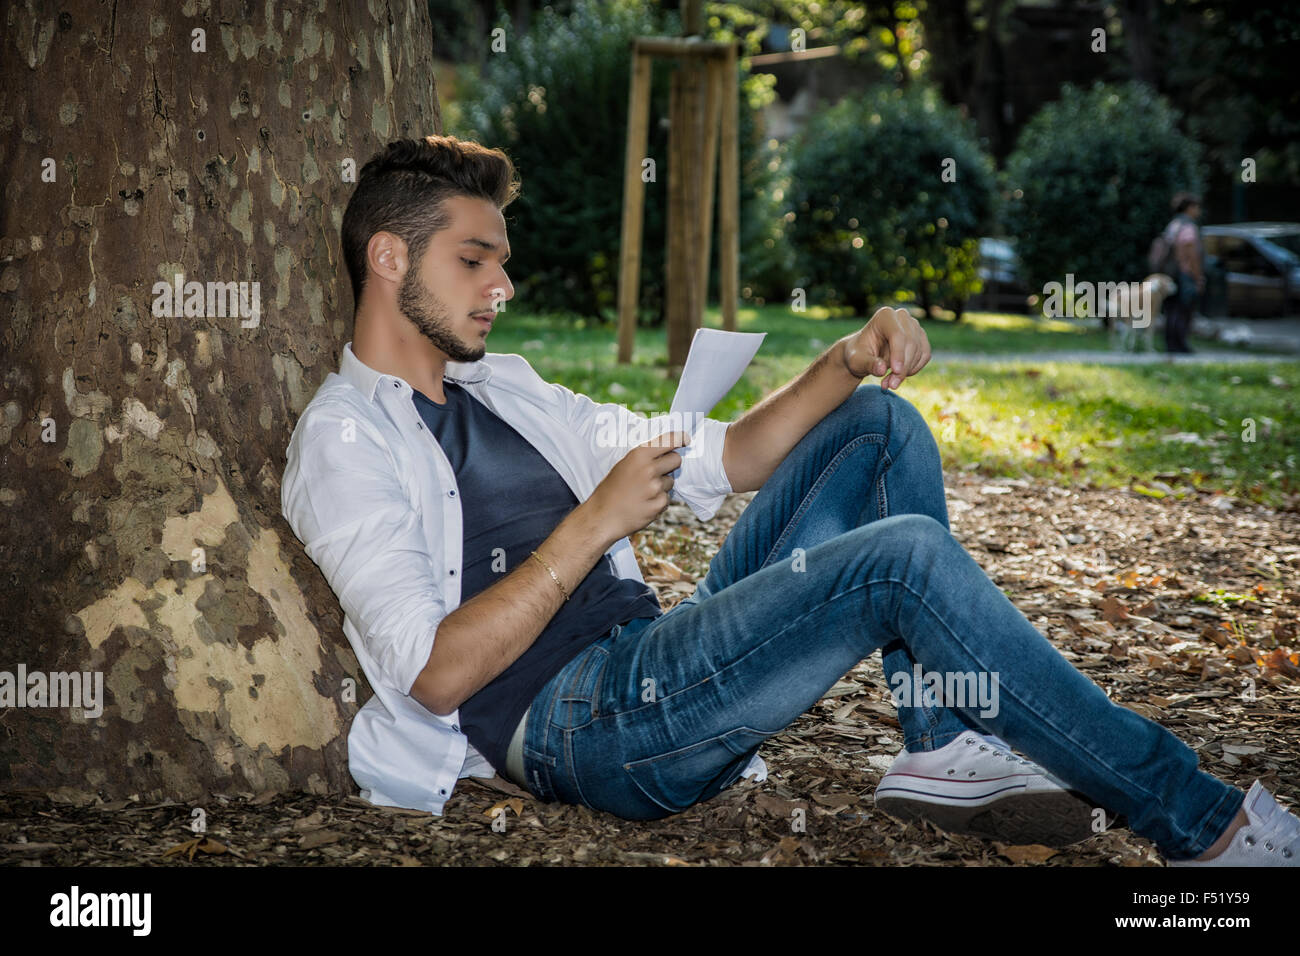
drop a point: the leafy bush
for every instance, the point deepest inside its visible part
(556, 102)
(873, 217)
(767, 260)
(1089, 183)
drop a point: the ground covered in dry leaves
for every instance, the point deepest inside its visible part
(1187, 611)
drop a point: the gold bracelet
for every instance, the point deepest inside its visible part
(548, 568)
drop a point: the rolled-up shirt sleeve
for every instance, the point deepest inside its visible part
(343, 500)
(613, 430)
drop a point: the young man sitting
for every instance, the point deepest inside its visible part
(474, 524)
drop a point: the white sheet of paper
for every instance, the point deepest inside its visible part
(715, 362)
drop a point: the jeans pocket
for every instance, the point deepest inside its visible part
(682, 778)
(538, 770)
(577, 701)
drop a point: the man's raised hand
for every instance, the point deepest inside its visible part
(892, 344)
(635, 491)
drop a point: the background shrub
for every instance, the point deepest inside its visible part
(873, 219)
(1089, 183)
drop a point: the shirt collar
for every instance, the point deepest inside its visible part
(366, 379)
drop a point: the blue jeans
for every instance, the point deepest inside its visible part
(846, 550)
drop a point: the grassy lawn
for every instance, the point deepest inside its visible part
(1161, 429)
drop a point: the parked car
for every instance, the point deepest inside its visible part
(1004, 286)
(1252, 269)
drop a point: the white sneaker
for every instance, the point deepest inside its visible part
(975, 784)
(1271, 838)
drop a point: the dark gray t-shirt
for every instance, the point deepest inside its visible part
(511, 500)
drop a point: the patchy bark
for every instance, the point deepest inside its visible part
(141, 453)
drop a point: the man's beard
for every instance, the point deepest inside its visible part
(431, 317)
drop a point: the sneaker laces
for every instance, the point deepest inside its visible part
(1271, 835)
(998, 752)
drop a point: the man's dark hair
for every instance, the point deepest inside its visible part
(402, 188)
(1184, 200)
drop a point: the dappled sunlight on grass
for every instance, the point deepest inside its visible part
(1112, 425)
(1008, 322)
(1153, 427)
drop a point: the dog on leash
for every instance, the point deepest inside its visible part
(1125, 336)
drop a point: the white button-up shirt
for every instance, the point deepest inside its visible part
(374, 500)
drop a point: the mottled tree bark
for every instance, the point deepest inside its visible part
(141, 453)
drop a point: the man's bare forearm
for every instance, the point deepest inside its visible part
(486, 634)
(759, 440)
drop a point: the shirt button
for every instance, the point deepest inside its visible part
(451, 494)
(456, 727)
(443, 792)
(453, 570)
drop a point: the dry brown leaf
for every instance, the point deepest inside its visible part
(197, 845)
(313, 821)
(500, 784)
(1113, 610)
(319, 838)
(843, 712)
(1280, 660)
(1217, 634)
(1030, 853)
(514, 803)
(784, 853)
(836, 801)
(774, 806)
(1151, 713)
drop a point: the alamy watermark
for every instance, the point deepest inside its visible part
(963, 689)
(1127, 300)
(212, 300)
(84, 689)
(626, 428)
(75, 908)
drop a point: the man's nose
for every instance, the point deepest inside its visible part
(507, 288)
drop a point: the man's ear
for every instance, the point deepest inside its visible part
(386, 256)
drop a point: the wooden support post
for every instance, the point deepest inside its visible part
(675, 240)
(684, 197)
(703, 120)
(712, 109)
(629, 269)
(696, 255)
(729, 195)
(692, 17)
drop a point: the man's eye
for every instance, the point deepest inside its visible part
(471, 263)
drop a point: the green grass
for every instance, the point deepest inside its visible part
(1160, 429)
(1146, 426)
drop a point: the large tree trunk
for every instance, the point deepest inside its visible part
(141, 454)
